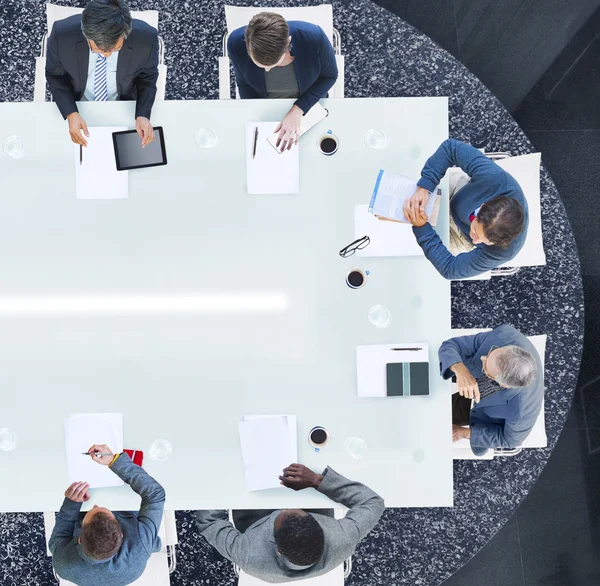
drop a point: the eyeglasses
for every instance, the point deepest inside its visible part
(354, 246)
(484, 362)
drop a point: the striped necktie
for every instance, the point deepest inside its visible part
(100, 89)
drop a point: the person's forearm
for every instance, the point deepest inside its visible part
(459, 368)
(65, 524)
(139, 480)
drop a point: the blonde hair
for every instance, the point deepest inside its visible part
(267, 38)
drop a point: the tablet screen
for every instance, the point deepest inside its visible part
(129, 153)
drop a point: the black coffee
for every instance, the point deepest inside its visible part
(355, 279)
(328, 145)
(318, 436)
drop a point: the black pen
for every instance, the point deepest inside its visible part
(255, 141)
(80, 155)
(407, 349)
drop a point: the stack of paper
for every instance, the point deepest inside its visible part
(268, 171)
(269, 444)
(83, 431)
(96, 175)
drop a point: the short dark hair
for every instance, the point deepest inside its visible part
(300, 539)
(267, 37)
(503, 219)
(102, 537)
(105, 22)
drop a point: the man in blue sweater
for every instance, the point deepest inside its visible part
(500, 387)
(490, 212)
(104, 548)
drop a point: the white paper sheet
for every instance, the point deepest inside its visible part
(266, 450)
(292, 427)
(97, 176)
(371, 360)
(270, 172)
(83, 431)
(387, 238)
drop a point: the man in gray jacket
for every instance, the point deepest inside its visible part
(105, 548)
(292, 544)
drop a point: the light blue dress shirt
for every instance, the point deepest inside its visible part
(111, 77)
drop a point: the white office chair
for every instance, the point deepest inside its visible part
(238, 16)
(55, 12)
(335, 577)
(526, 170)
(159, 566)
(537, 438)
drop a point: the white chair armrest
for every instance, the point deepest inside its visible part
(49, 522)
(224, 80)
(170, 528)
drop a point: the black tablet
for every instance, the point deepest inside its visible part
(129, 153)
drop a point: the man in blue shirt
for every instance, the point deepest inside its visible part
(490, 211)
(500, 387)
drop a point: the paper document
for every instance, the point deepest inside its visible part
(310, 119)
(83, 431)
(371, 362)
(390, 193)
(96, 175)
(387, 238)
(269, 444)
(269, 172)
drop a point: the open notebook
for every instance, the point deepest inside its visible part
(83, 430)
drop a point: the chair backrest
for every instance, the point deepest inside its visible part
(526, 170)
(55, 12)
(322, 15)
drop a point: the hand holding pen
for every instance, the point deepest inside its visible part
(100, 453)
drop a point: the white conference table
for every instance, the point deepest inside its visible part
(190, 229)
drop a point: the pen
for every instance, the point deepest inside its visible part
(80, 155)
(405, 349)
(255, 141)
(99, 454)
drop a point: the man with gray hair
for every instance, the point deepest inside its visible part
(500, 387)
(103, 54)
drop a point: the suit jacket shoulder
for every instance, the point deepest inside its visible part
(142, 33)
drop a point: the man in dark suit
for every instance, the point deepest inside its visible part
(103, 54)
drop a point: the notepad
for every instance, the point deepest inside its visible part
(83, 431)
(269, 444)
(372, 365)
(96, 177)
(392, 190)
(268, 172)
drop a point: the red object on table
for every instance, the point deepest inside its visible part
(137, 456)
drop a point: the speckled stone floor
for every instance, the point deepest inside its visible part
(384, 57)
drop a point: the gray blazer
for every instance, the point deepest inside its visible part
(140, 534)
(255, 551)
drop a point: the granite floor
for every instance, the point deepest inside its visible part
(421, 547)
(553, 539)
